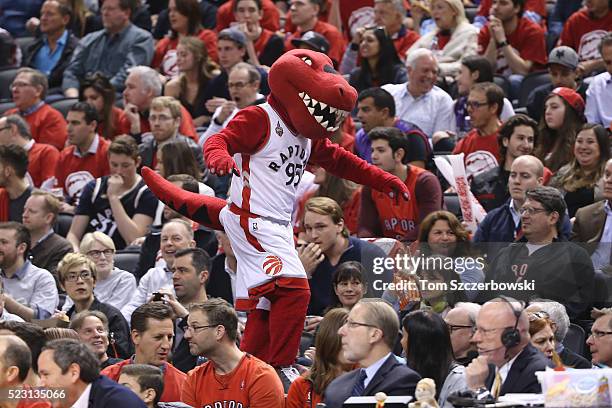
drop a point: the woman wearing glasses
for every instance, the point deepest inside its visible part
(77, 276)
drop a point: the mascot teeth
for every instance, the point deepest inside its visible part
(327, 116)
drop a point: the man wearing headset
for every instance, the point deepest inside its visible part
(507, 361)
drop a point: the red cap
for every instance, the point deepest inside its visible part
(572, 97)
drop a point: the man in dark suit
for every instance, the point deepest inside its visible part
(69, 365)
(368, 336)
(507, 361)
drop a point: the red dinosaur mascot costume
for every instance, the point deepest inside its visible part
(267, 148)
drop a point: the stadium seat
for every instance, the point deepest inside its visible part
(6, 79)
(451, 204)
(530, 82)
(503, 83)
(24, 43)
(127, 259)
(4, 106)
(62, 224)
(470, 13)
(63, 105)
(575, 338)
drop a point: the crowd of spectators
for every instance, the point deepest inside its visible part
(117, 299)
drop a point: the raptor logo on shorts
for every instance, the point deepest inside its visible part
(272, 265)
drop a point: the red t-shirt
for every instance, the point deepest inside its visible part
(584, 34)
(164, 58)
(528, 40)
(337, 44)
(537, 6)
(481, 153)
(47, 125)
(186, 128)
(252, 383)
(42, 161)
(174, 379)
(74, 172)
(301, 395)
(270, 20)
(403, 42)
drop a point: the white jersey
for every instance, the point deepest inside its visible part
(269, 178)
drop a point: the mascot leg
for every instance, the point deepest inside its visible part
(256, 337)
(199, 208)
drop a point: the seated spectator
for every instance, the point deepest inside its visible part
(208, 13)
(390, 15)
(506, 364)
(252, 382)
(10, 53)
(559, 270)
(243, 83)
(56, 333)
(376, 107)
(176, 157)
(140, 17)
(184, 21)
(327, 364)
(474, 69)
(368, 338)
(86, 156)
(92, 328)
(42, 158)
(47, 125)
(270, 19)
(14, 186)
(4, 315)
(563, 117)
(427, 344)
(420, 17)
(598, 94)
(599, 339)
(29, 291)
(120, 205)
(580, 181)
(516, 137)
(70, 365)
(563, 70)
(39, 216)
(133, 46)
(263, 46)
(584, 30)
(97, 91)
(222, 279)
(152, 334)
(534, 10)
(461, 322)
(511, 42)
(144, 380)
(327, 246)
(15, 364)
(305, 16)
(196, 70)
(176, 234)
(51, 52)
(384, 216)
(479, 147)
(77, 266)
(349, 285)
(453, 39)
(314, 42)
(346, 193)
(419, 101)
(165, 121)
(83, 20)
(379, 65)
(541, 331)
(558, 315)
(15, 15)
(503, 224)
(34, 336)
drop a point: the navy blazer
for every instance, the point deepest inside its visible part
(392, 378)
(521, 378)
(105, 393)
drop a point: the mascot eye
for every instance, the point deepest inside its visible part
(307, 60)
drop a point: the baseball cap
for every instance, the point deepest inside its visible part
(564, 56)
(572, 98)
(314, 40)
(234, 35)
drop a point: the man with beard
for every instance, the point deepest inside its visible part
(15, 188)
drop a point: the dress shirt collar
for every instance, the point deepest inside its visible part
(21, 272)
(83, 401)
(373, 369)
(32, 108)
(93, 147)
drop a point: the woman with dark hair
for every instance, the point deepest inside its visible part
(196, 70)
(176, 157)
(380, 64)
(349, 284)
(185, 21)
(427, 345)
(328, 363)
(581, 180)
(98, 92)
(563, 117)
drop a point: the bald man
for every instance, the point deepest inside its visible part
(508, 366)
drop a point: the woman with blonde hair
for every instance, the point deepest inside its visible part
(328, 363)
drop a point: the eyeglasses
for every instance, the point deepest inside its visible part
(599, 334)
(351, 324)
(475, 104)
(455, 327)
(237, 85)
(20, 84)
(160, 118)
(531, 211)
(73, 277)
(96, 254)
(196, 329)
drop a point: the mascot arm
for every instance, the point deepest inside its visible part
(342, 163)
(246, 133)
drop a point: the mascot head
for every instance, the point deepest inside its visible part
(317, 98)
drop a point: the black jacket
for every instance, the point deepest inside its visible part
(57, 73)
(521, 377)
(106, 393)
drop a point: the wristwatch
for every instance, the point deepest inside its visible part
(502, 44)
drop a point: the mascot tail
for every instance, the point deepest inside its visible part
(199, 208)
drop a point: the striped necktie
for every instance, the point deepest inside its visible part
(359, 386)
